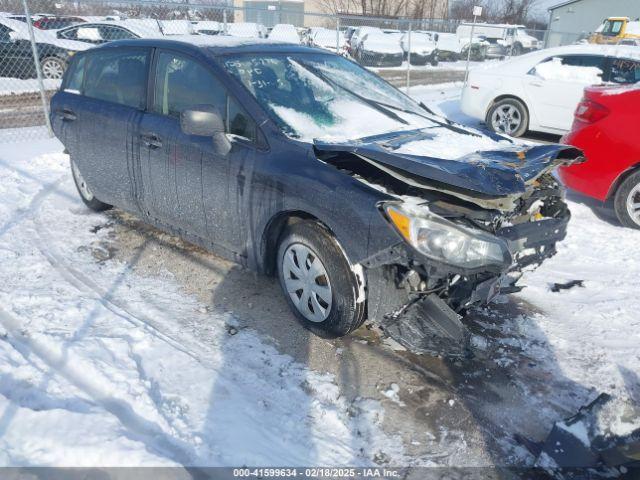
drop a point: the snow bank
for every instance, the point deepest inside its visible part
(14, 86)
(556, 70)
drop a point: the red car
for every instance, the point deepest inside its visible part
(606, 128)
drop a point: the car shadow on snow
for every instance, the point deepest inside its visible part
(603, 210)
(447, 412)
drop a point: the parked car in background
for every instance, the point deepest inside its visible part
(379, 50)
(102, 32)
(57, 22)
(451, 48)
(513, 37)
(331, 40)
(175, 27)
(301, 164)
(358, 34)
(207, 27)
(423, 48)
(606, 129)
(540, 91)
(284, 32)
(246, 30)
(16, 54)
(495, 49)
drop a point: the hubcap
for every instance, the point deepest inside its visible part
(633, 204)
(82, 185)
(307, 282)
(506, 119)
(52, 69)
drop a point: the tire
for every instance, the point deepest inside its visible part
(628, 195)
(508, 116)
(85, 193)
(331, 309)
(517, 50)
(53, 67)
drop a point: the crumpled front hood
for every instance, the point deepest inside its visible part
(503, 170)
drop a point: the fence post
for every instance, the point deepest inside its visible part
(36, 60)
(338, 34)
(224, 21)
(409, 58)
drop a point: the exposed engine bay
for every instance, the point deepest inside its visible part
(420, 301)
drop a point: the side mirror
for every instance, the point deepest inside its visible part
(14, 37)
(206, 121)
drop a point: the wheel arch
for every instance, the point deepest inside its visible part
(621, 178)
(273, 231)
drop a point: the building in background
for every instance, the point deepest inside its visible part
(309, 12)
(574, 20)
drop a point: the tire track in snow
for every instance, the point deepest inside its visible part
(84, 377)
(87, 286)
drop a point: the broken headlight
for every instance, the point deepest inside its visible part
(444, 241)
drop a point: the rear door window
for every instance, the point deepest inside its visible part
(118, 76)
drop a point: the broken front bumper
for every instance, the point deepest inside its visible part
(419, 303)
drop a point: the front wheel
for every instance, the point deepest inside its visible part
(508, 116)
(52, 67)
(85, 192)
(627, 202)
(317, 281)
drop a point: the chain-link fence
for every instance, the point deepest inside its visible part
(36, 46)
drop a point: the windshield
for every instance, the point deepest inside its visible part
(325, 96)
(612, 27)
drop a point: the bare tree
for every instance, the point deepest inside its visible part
(498, 11)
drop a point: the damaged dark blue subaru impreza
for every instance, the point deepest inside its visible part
(299, 163)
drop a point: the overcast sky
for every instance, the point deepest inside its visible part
(542, 5)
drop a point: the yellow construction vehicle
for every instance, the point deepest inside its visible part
(616, 30)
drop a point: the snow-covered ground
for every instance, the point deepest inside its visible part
(101, 364)
(15, 86)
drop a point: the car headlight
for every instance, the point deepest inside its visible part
(444, 241)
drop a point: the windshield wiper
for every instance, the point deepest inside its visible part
(372, 103)
(443, 123)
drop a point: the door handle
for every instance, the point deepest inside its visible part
(151, 140)
(535, 84)
(66, 115)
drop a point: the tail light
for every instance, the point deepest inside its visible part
(589, 111)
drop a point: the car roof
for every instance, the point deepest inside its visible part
(217, 45)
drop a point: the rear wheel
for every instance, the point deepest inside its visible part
(627, 202)
(52, 67)
(85, 192)
(508, 116)
(317, 281)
